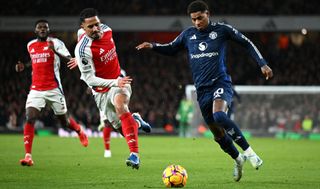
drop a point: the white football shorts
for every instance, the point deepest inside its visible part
(105, 103)
(54, 98)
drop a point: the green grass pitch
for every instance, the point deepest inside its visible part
(64, 163)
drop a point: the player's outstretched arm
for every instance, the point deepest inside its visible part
(71, 62)
(267, 71)
(169, 49)
(144, 45)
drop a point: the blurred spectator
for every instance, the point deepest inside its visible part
(158, 7)
(12, 123)
(307, 124)
(158, 91)
(184, 116)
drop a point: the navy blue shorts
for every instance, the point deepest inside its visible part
(220, 90)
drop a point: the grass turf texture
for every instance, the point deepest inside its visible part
(64, 163)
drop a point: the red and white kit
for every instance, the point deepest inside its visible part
(100, 69)
(46, 85)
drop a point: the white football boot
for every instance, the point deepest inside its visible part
(238, 167)
(255, 161)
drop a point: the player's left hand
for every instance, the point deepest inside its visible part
(267, 71)
(72, 63)
(124, 81)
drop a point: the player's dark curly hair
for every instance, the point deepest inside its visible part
(40, 21)
(87, 13)
(196, 6)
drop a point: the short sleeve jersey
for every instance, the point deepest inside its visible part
(45, 63)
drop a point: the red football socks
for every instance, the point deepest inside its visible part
(74, 125)
(28, 137)
(130, 131)
(106, 137)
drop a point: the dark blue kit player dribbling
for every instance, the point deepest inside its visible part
(205, 43)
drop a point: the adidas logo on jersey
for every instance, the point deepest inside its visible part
(32, 51)
(101, 51)
(193, 37)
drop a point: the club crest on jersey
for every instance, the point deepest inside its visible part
(213, 35)
(45, 48)
(84, 61)
(203, 46)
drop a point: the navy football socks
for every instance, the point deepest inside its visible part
(231, 128)
(227, 146)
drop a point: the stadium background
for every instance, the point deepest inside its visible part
(286, 33)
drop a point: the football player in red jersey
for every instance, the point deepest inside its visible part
(45, 53)
(99, 66)
(105, 126)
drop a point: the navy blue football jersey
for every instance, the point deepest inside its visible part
(207, 51)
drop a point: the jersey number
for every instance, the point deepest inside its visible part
(218, 93)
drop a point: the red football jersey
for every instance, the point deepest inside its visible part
(101, 54)
(45, 64)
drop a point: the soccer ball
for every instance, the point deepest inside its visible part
(174, 176)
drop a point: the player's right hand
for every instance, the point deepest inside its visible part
(144, 45)
(124, 81)
(19, 66)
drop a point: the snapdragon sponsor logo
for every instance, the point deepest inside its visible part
(201, 55)
(203, 46)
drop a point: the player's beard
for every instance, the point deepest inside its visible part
(42, 36)
(96, 35)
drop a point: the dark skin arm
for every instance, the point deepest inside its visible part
(71, 62)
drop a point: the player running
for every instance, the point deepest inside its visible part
(105, 126)
(99, 66)
(45, 53)
(206, 47)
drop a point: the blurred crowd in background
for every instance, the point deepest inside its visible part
(159, 7)
(158, 81)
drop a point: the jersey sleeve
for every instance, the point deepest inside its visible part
(238, 37)
(170, 48)
(60, 47)
(80, 34)
(86, 67)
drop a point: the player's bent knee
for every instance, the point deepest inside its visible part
(220, 117)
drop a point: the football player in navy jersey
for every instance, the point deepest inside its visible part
(205, 43)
